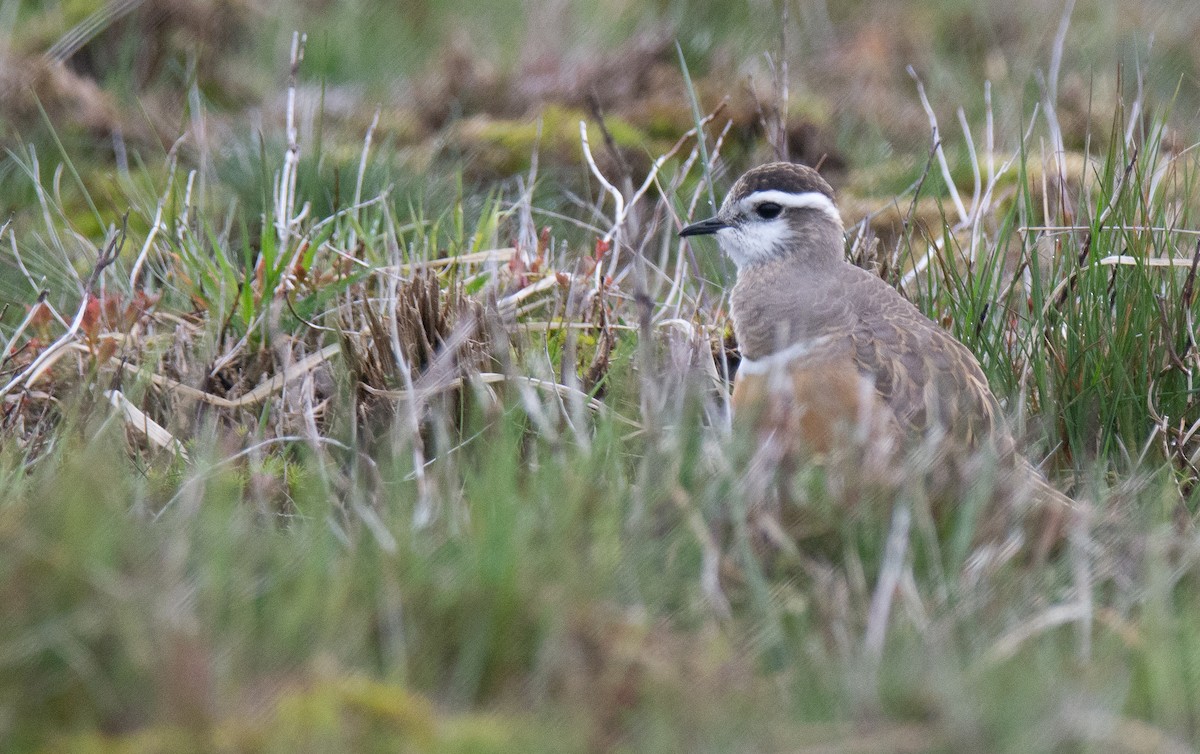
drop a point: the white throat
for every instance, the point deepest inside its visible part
(752, 243)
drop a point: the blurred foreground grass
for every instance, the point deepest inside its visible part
(396, 433)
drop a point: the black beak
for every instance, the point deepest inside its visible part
(703, 228)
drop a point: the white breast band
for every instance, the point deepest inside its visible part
(782, 358)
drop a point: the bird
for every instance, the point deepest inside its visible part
(832, 357)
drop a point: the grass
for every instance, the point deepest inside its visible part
(329, 440)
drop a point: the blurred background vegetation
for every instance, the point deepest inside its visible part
(464, 88)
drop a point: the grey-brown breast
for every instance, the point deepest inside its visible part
(922, 374)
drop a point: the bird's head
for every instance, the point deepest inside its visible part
(775, 211)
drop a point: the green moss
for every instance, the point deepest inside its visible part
(506, 146)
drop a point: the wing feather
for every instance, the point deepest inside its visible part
(928, 378)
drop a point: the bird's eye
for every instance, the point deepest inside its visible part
(768, 210)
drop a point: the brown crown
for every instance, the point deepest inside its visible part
(781, 176)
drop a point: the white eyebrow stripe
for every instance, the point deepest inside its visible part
(808, 200)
